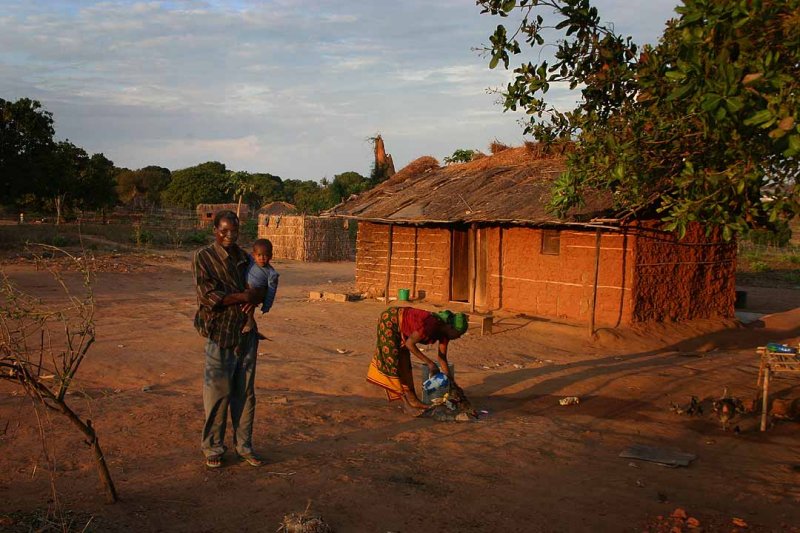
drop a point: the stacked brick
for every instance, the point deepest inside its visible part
(524, 279)
(420, 260)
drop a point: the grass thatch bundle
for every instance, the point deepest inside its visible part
(543, 150)
(416, 168)
(496, 147)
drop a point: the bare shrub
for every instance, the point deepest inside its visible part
(42, 344)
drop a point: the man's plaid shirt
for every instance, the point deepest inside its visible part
(218, 272)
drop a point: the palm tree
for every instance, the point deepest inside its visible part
(239, 184)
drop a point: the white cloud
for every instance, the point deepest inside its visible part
(271, 85)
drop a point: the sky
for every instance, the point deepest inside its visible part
(294, 88)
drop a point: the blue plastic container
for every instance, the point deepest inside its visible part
(437, 389)
(435, 382)
(780, 348)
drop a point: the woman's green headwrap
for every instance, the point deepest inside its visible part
(459, 321)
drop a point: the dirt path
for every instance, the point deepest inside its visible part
(529, 465)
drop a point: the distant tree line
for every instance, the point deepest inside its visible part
(41, 174)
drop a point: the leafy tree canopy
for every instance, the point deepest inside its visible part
(26, 143)
(268, 188)
(37, 171)
(345, 184)
(703, 126)
(201, 184)
(143, 187)
(96, 185)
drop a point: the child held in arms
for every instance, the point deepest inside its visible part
(261, 275)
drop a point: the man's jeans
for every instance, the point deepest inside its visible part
(229, 382)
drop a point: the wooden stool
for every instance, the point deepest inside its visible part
(773, 362)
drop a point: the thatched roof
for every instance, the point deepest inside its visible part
(277, 208)
(511, 186)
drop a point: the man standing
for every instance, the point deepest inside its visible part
(230, 355)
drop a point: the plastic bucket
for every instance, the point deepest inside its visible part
(403, 294)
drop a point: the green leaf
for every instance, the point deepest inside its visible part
(493, 63)
(508, 5)
(734, 104)
(675, 75)
(710, 102)
(765, 115)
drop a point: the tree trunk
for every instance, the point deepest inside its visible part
(58, 209)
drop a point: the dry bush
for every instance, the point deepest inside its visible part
(42, 344)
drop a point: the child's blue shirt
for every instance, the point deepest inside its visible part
(263, 278)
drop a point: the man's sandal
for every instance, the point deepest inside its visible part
(252, 459)
(214, 461)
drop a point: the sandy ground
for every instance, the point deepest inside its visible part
(529, 465)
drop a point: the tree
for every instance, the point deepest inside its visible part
(143, 187)
(96, 185)
(703, 126)
(61, 182)
(345, 184)
(239, 184)
(26, 144)
(310, 197)
(204, 183)
(268, 188)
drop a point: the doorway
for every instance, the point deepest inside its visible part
(466, 266)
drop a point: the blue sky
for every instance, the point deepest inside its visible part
(287, 87)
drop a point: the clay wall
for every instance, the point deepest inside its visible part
(420, 260)
(524, 279)
(683, 279)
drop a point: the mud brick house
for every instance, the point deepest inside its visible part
(479, 234)
(206, 212)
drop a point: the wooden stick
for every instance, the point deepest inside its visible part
(765, 399)
(388, 265)
(596, 275)
(474, 269)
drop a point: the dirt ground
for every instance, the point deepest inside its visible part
(330, 437)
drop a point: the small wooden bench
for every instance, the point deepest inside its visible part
(773, 363)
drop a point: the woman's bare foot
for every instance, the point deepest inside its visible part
(411, 400)
(412, 411)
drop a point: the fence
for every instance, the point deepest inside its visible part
(165, 227)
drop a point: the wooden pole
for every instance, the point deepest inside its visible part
(474, 270)
(765, 399)
(388, 265)
(596, 274)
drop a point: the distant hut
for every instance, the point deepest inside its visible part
(480, 234)
(307, 238)
(277, 208)
(207, 212)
